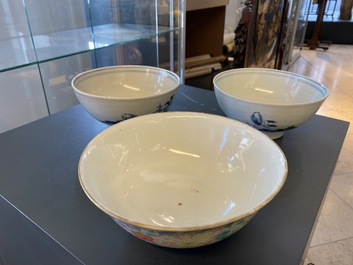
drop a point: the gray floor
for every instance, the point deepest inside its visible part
(332, 243)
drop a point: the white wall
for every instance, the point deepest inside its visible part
(233, 14)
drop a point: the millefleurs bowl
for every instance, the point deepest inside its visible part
(273, 101)
(181, 179)
(116, 93)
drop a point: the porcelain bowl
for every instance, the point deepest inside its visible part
(273, 101)
(181, 179)
(116, 93)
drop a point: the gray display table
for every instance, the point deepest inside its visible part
(45, 217)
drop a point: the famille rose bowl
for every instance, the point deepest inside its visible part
(115, 93)
(181, 179)
(273, 101)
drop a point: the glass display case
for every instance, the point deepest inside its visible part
(296, 28)
(45, 43)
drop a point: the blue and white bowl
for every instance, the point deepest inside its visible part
(273, 101)
(116, 93)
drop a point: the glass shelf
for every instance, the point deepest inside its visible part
(16, 52)
(19, 52)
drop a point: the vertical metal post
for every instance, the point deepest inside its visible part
(181, 42)
(171, 35)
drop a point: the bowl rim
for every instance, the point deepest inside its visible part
(318, 86)
(191, 228)
(122, 67)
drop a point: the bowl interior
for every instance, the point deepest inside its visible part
(181, 170)
(269, 86)
(126, 82)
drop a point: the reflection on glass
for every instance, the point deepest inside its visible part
(15, 40)
(296, 27)
(22, 99)
(57, 76)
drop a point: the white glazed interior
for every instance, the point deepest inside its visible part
(270, 86)
(181, 170)
(125, 82)
(116, 93)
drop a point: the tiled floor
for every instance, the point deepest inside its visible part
(332, 242)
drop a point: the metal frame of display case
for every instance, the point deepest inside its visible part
(297, 24)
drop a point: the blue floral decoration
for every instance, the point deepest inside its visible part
(164, 107)
(266, 125)
(160, 108)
